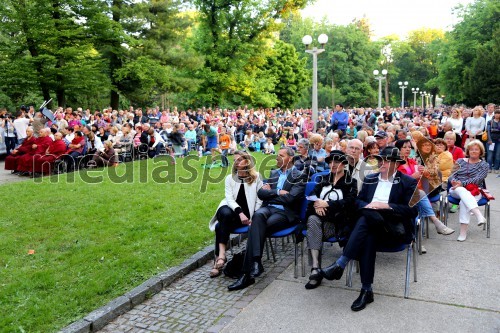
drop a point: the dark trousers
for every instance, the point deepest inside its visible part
(265, 221)
(70, 159)
(362, 245)
(157, 151)
(10, 143)
(228, 221)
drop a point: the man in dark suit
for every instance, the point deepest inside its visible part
(386, 218)
(282, 195)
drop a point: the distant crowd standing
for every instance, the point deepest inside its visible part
(385, 162)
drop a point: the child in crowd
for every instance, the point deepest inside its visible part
(256, 143)
(433, 128)
(262, 140)
(291, 142)
(223, 148)
(269, 147)
(232, 146)
(282, 141)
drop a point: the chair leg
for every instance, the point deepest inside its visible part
(407, 280)
(488, 220)
(427, 227)
(295, 269)
(419, 239)
(302, 258)
(283, 243)
(267, 250)
(441, 210)
(272, 249)
(414, 262)
(445, 210)
(350, 267)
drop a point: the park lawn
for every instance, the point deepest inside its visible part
(94, 242)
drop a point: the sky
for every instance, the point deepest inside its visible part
(387, 17)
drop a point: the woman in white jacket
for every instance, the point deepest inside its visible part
(237, 208)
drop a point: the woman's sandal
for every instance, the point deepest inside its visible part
(218, 266)
(314, 279)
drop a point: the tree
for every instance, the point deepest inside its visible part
(233, 36)
(415, 61)
(466, 57)
(290, 72)
(47, 47)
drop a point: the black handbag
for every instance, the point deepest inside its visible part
(234, 267)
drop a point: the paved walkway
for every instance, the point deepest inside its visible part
(6, 176)
(457, 291)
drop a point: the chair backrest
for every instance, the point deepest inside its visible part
(315, 179)
(318, 176)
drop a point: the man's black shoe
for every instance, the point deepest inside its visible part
(364, 298)
(242, 283)
(257, 269)
(332, 272)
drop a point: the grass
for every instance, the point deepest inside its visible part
(95, 241)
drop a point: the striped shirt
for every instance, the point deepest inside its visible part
(470, 173)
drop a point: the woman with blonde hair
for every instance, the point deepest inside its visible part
(475, 125)
(457, 123)
(445, 160)
(237, 207)
(468, 176)
(362, 135)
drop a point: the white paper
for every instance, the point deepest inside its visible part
(312, 198)
(491, 147)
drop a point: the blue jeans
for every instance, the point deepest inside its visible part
(190, 143)
(494, 156)
(425, 208)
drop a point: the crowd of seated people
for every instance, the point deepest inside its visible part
(364, 151)
(404, 164)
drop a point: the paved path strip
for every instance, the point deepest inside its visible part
(198, 303)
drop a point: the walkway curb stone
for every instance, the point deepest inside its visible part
(99, 318)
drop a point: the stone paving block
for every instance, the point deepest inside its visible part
(215, 329)
(191, 301)
(141, 325)
(81, 326)
(233, 312)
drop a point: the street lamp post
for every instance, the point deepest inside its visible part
(427, 98)
(415, 92)
(430, 99)
(307, 40)
(422, 94)
(380, 78)
(403, 86)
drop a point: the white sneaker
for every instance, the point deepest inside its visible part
(481, 222)
(424, 250)
(461, 238)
